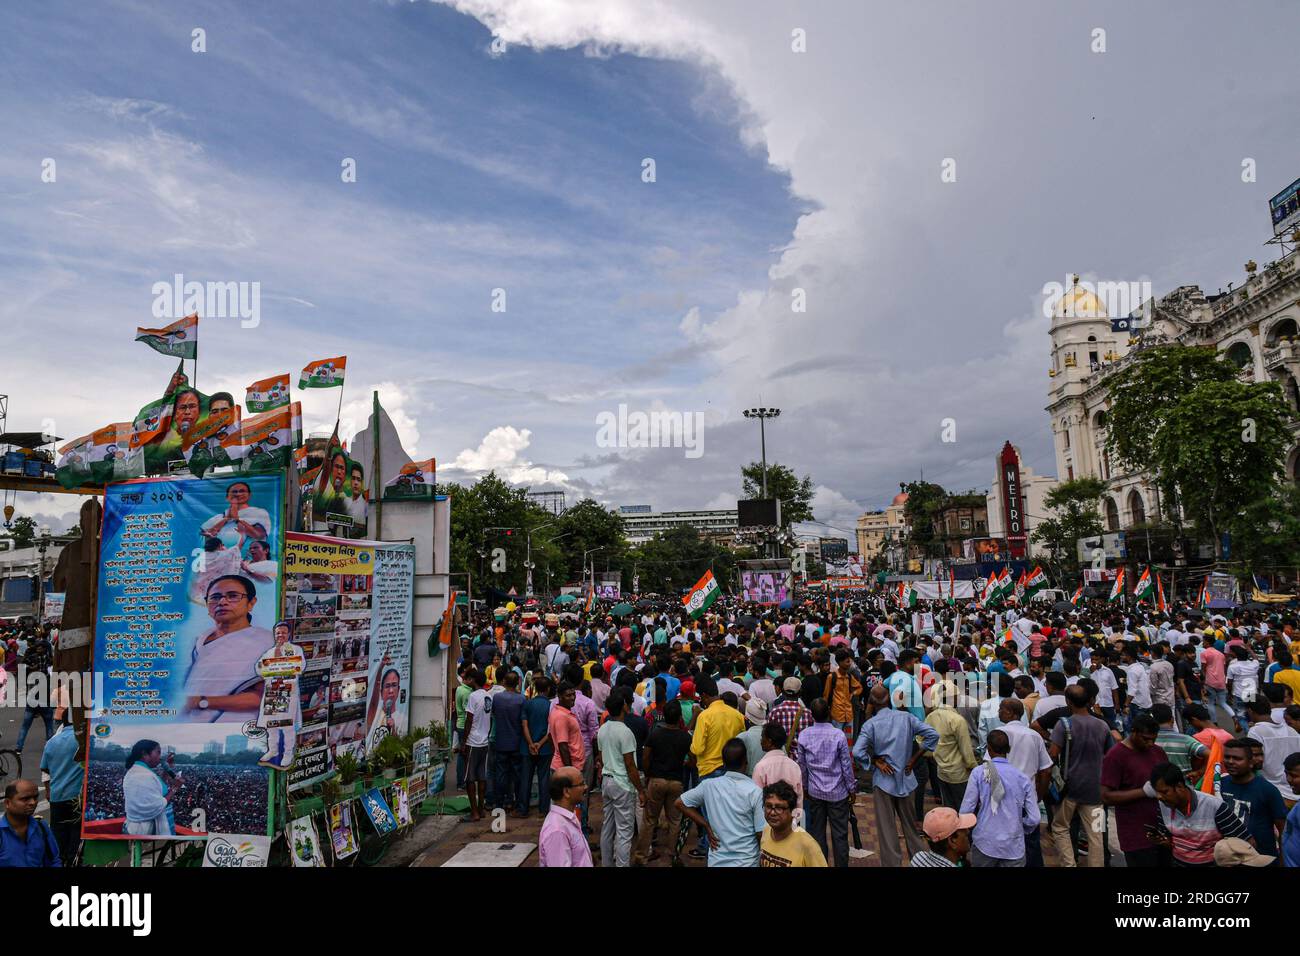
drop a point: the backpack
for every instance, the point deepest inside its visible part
(1061, 768)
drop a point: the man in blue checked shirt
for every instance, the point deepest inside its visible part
(888, 744)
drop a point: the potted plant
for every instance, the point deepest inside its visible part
(331, 792)
(349, 772)
(395, 755)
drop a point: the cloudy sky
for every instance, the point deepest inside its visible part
(517, 165)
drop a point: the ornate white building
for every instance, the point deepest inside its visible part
(1257, 326)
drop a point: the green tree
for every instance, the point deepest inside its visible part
(22, 531)
(1267, 532)
(481, 513)
(586, 526)
(1076, 513)
(795, 493)
(676, 559)
(924, 499)
(1221, 449)
(1145, 393)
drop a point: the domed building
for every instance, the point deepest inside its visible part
(1255, 326)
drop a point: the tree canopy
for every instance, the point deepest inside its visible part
(795, 493)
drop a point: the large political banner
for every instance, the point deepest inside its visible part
(349, 604)
(187, 606)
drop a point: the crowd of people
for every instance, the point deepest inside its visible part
(1100, 735)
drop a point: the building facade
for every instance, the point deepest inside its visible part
(1256, 327)
(1033, 491)
(721, 525)
(879, 532)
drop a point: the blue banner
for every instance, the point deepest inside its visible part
(188, 598)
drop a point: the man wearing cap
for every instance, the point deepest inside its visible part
(755, 718)
(948, 833)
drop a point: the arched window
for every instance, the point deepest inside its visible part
(1239, 354)
(1112, 515)
(1136, 508)
(1280, 330)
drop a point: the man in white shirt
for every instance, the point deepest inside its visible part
(1139, 683)
(1279, 742)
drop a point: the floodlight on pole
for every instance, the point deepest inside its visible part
(762, 414)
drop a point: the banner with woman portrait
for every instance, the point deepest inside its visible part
(349, 604)
(188, 599)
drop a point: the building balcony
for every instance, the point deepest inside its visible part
(1281, 354)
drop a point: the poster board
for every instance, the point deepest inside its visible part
(350, 605)
(188, 594)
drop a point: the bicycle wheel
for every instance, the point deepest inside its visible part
(11, 766)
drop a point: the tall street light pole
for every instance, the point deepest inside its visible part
(762, 414)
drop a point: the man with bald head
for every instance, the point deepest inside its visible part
(25, 840)
(561, 842)
(887, 744)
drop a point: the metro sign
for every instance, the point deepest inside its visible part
(1013, 502)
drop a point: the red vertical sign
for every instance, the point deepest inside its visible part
(1013, 502)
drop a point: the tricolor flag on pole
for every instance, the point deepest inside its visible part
(215, 441)
(1161, 604)
(1204, 599)
(324, 373)
(268, 394)
(1077, 596)
(591, 600)
(1020, 587)
(1213, 768)
(990, 590)
(266, 442)
(952, 588)
(1117, 589)
(1005, 585)
(180, 339)
(448, 627)
(906, 594)
(1035, 581)
(1145, 587)
(415, 480)
(703, 595)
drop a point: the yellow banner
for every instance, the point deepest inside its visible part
(309, 553)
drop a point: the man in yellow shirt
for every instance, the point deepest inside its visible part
(955, 756)
(716, 724)
(781, 844)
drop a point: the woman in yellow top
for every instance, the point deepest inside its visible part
(490, 672)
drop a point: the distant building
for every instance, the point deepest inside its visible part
(720, 525)
(236, 743)
(880, 531)
(212, 747)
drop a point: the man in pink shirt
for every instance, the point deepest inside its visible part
(561, 842)
(565, 732)
(774, 765)
(1215, 678)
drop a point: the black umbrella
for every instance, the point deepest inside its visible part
(747, 621)
(1065, 606)
(645, 603)
(1193, 612)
